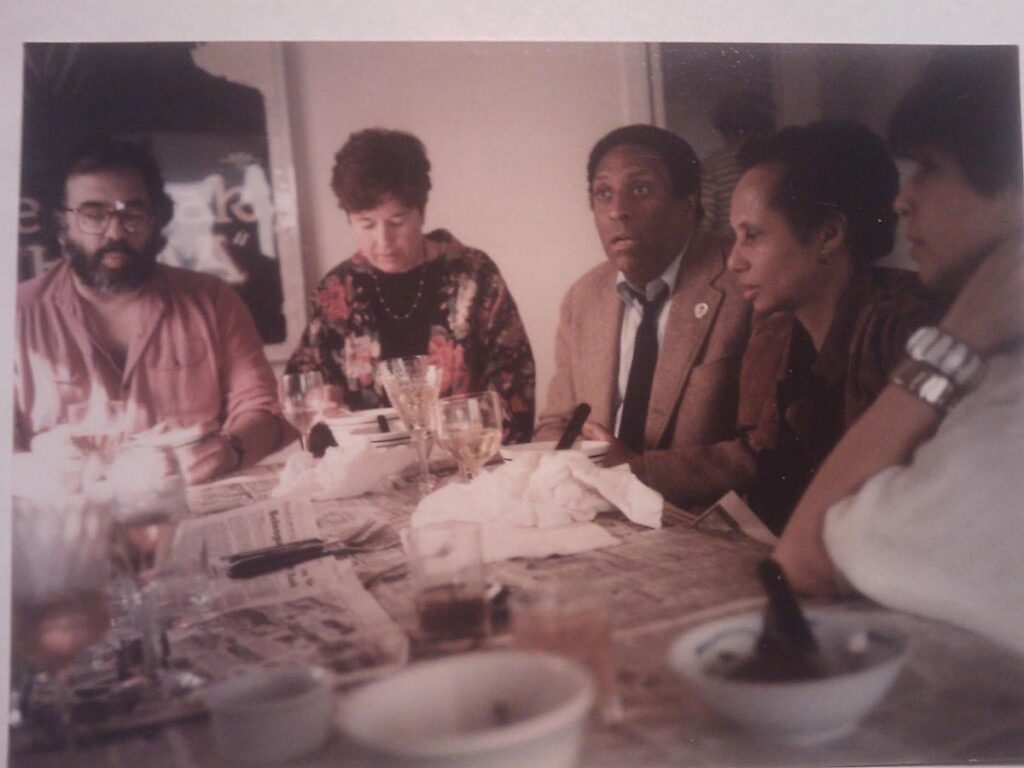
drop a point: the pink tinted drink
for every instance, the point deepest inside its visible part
(55, 629)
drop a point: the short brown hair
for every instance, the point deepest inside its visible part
(376, 163)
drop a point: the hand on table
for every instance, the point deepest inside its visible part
(207, 459)
(618, 451)
(202, 451)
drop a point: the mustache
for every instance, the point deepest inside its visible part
(117, 246)
(138, 265)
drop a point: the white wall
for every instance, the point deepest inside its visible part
(507, 127)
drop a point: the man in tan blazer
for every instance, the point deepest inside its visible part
(645, 194)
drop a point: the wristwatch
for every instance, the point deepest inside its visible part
(236, 444)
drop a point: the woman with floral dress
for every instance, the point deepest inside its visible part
(408, 293)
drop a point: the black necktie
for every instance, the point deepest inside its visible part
(641, 371)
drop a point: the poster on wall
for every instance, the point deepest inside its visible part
(222, 144)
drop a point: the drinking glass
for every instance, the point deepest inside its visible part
(469, 427)
(412, 385)
(147, 490)
(303, 397)
(447, 571)
(61, 556)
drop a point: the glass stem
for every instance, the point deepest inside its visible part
(65, 724)
(420, 439)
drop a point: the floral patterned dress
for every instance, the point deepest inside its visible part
(476, 335)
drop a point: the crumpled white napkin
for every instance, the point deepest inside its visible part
(541, 504)
(351, 469)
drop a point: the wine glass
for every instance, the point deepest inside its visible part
(302, 399)
(469, 426)
(61, 555)
(147, 489)
(412, 385)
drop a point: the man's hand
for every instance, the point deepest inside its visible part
(988, 313)
(618, 451)
(202, 451)
(207, 459)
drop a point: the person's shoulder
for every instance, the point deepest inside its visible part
(455, 256)
(900, 292)
(353, 265)
(34, 290)
(600, 277)
(189, 281)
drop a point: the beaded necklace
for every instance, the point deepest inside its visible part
(416, 302)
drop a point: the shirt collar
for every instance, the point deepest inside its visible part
(668, 278)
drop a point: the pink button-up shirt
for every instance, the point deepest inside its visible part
(195, 356)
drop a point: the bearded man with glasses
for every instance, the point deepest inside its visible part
(111, 324)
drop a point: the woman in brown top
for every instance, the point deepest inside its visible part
(812, 214)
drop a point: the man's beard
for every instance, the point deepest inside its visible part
(136, 270)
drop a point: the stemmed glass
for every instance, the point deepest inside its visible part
(148, 493)
(412, 385)
(61, 556)
(147, 489)
(303, 397)
(469, 426)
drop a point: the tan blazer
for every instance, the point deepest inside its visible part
(696, 381)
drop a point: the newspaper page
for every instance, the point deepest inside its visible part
(330, 621)
(233, 491)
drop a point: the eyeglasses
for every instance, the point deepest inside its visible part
(94, 219)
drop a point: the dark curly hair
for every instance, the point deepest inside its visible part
(966, 103)
(829, 167)
(105, 154)
(375, 163)
(678, 156)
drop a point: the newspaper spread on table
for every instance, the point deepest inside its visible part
(316, 612)
(959, 697)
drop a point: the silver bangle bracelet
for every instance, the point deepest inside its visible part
(947, 355)
(928, 384)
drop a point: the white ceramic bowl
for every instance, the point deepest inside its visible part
(271, 715)
(805, 712)
(498, 709)
(595, 449)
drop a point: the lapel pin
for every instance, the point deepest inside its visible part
(700, 310)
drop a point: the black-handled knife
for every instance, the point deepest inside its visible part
(572, 429)
(261, 564)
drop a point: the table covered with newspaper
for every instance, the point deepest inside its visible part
(960, 698)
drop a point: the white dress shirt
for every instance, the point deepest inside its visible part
(632, 315)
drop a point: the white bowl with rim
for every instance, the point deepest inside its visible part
(271, 715)
(866, 657)
(596, 450)
(490, 709)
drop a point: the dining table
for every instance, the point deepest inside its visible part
(959, 698)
